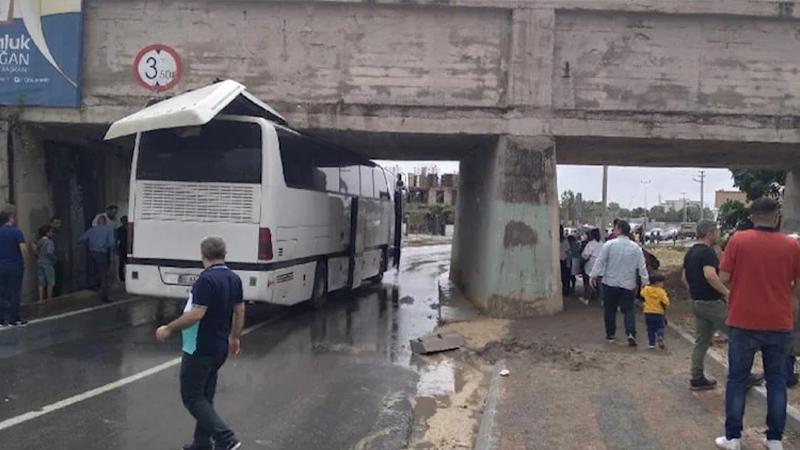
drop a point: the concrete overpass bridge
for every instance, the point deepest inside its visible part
(508, 87)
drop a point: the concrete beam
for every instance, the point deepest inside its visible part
(754, 8)
(505, 255)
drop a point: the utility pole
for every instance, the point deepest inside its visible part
(645, 183)
(604, 219)
(685, 211)
(702, 181)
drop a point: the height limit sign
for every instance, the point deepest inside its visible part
(158, 67)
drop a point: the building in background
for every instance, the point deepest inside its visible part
(678, 205)
(426, 187)
(722, 196)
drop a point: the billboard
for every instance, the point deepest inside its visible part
(40, 52)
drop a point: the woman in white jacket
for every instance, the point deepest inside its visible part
(590, 254)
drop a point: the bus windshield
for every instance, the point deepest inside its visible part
(218, 152)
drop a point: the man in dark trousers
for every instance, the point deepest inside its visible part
(122, 246)
(211, 325)
(709, 301)
(762, 268)
(621, 265)
(13, 254)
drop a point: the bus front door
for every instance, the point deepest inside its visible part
(358, 224)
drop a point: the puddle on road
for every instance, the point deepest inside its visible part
(437, 380)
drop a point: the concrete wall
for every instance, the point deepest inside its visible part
(305, 52)
(505, 251)
(677, 63)
(31, 194)
(377, 73)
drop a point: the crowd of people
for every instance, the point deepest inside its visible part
(105, 239)
(750, 291)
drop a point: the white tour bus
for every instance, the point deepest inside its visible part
(300, 217)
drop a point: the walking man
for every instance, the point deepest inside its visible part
(621, 263)
(762, 267)
(709, 301)
(122, 246)
(101, 242)
(211, 325)
(13, 254)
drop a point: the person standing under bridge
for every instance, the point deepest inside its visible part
(762, 268)
(211, 327)
(621, 264)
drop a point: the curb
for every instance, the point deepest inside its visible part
(792, 413)
(486, 439)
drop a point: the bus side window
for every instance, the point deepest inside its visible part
(367, 183)
(299, 170)
(381, 186)
(350, 179)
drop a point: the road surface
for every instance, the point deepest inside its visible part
(338, 378)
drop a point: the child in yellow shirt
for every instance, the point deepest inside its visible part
(655, 304)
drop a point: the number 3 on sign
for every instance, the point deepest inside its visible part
(158, 67)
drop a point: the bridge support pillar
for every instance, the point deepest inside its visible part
(505, 252)
(791, 201)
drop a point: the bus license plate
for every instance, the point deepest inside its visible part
(187, 279)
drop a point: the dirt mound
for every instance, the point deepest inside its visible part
(674, 284)
(544, 352)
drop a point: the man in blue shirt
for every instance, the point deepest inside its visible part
(101, 241)
(12, 267)
(211, 326)
(620, 264)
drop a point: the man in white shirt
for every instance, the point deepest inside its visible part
(620, 264)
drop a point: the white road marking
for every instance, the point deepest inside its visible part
(793, 412)
(61, 404)
(79, 311)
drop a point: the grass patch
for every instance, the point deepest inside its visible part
(670, 257)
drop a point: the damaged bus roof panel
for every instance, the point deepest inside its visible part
(195, 108)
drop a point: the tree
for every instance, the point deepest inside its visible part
(731, 215)
(759, 183)
(567, 208)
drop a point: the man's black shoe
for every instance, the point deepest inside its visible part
(230, 445)
(631, 341)
(194, 446)
(19, 323)
(702, 384)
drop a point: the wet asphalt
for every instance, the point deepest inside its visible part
(339, 378)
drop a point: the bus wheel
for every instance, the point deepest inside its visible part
(320, 293)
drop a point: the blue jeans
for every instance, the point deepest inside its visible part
(791, 375)
(618, 298)
(10, 293)
(742, 347)
(655, 327)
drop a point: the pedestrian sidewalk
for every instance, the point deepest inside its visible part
(569, 389)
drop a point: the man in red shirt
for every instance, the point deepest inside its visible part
(762, 268)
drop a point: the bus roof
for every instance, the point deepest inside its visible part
(195, 108)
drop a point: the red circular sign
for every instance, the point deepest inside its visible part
(158, 67)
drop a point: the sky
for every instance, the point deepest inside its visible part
(626, 185)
